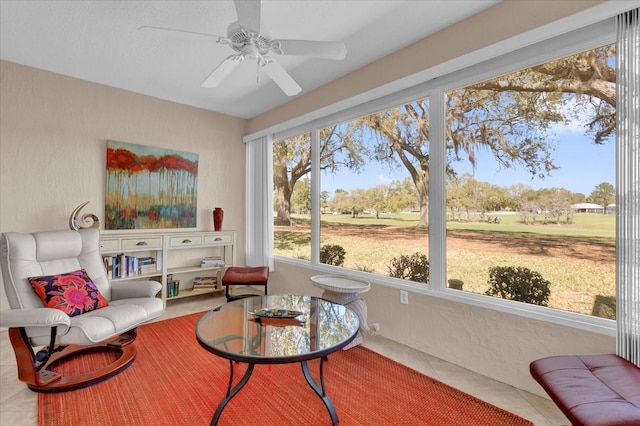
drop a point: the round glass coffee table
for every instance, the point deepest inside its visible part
(277, 329)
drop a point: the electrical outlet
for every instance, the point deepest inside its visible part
(404, 297)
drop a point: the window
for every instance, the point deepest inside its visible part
(374, 193)
(292, 196)
(530, 184)
(507, 172)
(374, 201)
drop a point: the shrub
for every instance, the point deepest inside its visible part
(332, 254)
(364, 268)
(518, 283)
(413, 267)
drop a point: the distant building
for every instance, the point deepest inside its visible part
(587, 208)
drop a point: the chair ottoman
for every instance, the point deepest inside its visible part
(244, 276)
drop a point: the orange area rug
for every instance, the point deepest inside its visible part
(174, 381)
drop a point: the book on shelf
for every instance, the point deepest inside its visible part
(147, 269)
(147, 260)
(146, 265)
(212, 261)
(108, 265)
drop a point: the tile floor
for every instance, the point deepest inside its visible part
(18, 404)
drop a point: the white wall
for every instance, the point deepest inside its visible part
(53, 133)
(495, 344)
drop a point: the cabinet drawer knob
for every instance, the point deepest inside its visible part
(186, 241)
(218, 239)
(142, 243)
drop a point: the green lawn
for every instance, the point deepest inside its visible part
(586, 224)
(578, 259)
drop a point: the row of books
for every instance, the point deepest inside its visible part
(173, 286)
(199, 283)
(207, 283)
(212, 261)
(121, 265)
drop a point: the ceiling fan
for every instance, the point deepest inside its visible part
(245, 38)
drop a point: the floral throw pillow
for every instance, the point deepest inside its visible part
(73, 293)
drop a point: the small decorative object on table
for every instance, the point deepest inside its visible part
(277, 317)
(218, 215)
(88, 220)
(276, 313)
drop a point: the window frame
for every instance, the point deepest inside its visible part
(572, 42)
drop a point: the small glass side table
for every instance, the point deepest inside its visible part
(346, 291)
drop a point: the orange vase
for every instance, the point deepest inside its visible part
(218, 215)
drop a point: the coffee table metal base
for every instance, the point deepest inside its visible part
(318, 389)
(231, 391)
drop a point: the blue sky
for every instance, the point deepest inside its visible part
(583, 165)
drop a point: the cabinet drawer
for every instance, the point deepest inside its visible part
(109, 245)
(217, 239)
(186, 241)
(147, 243)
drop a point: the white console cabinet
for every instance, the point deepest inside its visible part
(177, 255)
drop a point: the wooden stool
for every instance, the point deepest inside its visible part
(236, 275)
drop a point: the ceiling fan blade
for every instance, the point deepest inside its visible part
(249, 14)
(223, 71)
(281, 77)
(148, 27)
(317, 49)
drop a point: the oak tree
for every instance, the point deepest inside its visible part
(509, 116)
(292, 162)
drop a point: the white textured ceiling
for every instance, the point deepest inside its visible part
(99, 41)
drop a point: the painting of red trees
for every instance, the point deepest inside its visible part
(150, 188)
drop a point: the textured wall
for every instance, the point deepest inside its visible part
(53, 133)
(493, 343)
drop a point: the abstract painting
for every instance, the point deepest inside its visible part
(150, 188)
